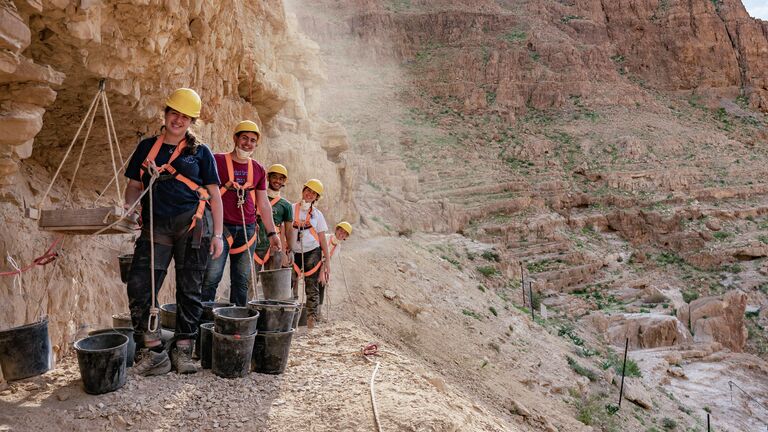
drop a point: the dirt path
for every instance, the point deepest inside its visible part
(325, 388)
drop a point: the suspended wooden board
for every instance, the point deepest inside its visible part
(85, 221)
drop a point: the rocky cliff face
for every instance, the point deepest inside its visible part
(246, 59)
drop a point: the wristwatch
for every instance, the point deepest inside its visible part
(218, 236)
(271, 233)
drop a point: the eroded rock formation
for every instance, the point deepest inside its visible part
(246, 59)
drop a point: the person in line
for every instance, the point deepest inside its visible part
(243, 190)
(182, 226)
(342, 231)
(309, 247)
(282, 216)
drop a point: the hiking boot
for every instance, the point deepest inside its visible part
(151, 363)
(181, 357)
(310, 322)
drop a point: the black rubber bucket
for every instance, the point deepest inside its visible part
(303, 316)
(236, 320)
(168, 316)
(198, 341)
(270, 352)
(274, 315)
(208, 308)
(206, 344)
(102, 362)
(122, 320)
(297, 316)
(231, 354)
(125, 266)
(25, 351)
(128, 332)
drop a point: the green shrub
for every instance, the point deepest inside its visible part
(666, 258)
(616, 362)
(567, 331)
(493, 311)
(722, 235)
(668, 424)
(488, 271)
(581, 370)
(471, 313)
(491, 255)
(514, 36)
(690, 295)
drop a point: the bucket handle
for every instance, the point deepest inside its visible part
(153, 322)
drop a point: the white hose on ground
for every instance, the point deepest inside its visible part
(373, 398)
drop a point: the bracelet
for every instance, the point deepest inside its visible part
(218, 236)
(271, 233)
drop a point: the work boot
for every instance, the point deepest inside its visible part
(150, 363)
(181, 357)
(310, 322)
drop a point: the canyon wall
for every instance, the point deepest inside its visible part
(246, 59)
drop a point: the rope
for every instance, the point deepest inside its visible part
(71, 145)
(17, 276)
(111, 150)
(114, 131)
(80, 156)
(349, 294)
(241, 198)
(373, 397)
(732, 384)
(122, 169)
(46, 258)
(152, 322)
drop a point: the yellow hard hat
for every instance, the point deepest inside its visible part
(278, 168)
(247, 126)
(346, 226)
(185, 101)
(315, 185)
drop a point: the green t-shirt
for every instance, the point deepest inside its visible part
(282, 211)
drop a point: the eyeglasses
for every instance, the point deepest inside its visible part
(246, 139)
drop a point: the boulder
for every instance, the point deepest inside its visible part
(719, 319)
(647, 331)
(634, 391)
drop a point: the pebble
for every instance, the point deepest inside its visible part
(100, 405)
(169, 406)
(62, 396)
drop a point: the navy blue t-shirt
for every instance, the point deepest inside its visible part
(172, 197)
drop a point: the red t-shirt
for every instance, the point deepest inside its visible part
(232, 214)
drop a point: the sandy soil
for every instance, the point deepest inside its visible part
(326, 387)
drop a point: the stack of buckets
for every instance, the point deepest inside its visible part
(277, 312)
(234, 331)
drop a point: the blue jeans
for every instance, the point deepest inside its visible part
(239, 268)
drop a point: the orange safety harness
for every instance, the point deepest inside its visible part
(202, 193)
(334, 242)
(232, 185)
(261, 261)
(304, 226)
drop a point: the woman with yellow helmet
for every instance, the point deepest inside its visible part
(309, 247)
(176, 224)
(341, 232)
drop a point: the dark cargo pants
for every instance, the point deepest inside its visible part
(311, 283)
(174, 241)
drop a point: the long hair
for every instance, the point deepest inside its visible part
(192, 143)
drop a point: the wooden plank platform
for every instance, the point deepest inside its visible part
(85, 221)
